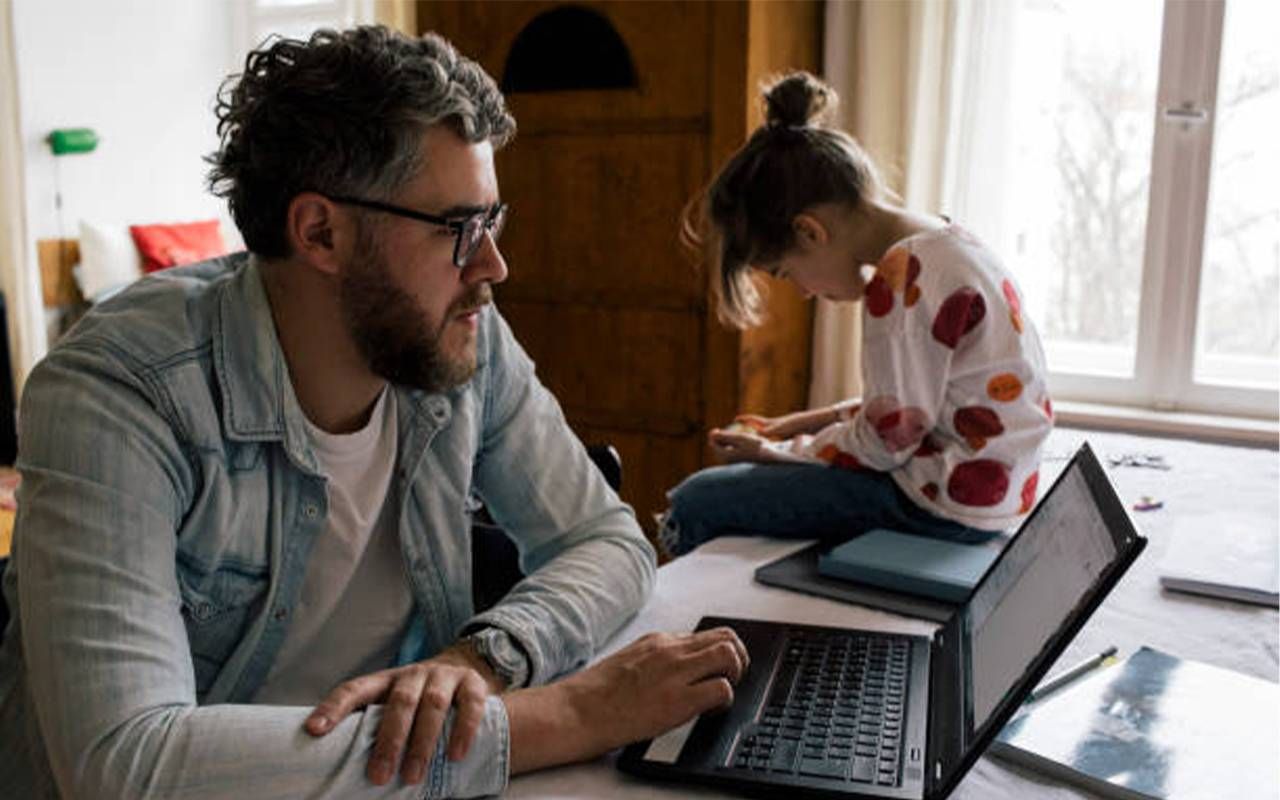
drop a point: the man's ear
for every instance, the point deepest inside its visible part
(809, 231)
(314, 228)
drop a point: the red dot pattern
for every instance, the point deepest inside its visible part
(977, 424)
(896, 272)
(897, 426)
(836, 457)
(981, 482)
(1029, 492)
(978, 482)
(960, 313)
(878, 297)
(1015, 304)
(929, 447)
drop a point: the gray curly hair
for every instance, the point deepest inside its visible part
(342, 113)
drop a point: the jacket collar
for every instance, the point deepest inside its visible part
(258, 401)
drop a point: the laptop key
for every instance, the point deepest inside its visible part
(783, 758)
(863, 771)
(822, 768)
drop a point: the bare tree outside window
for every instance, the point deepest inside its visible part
(1102, 160)
(1059, 131)
(1082, 102)
(1238, 338)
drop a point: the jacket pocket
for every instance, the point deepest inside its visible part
(217, 607)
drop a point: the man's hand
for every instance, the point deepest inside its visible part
(652, 685)
(417, 698)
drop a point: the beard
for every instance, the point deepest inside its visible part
(390, 330)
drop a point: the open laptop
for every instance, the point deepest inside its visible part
(845, 713)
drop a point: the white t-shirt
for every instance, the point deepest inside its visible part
(355, 598)
(955, 406)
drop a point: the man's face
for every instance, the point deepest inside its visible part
(411, 312)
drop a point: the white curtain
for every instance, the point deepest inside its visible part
(19, 273)
(891, 62)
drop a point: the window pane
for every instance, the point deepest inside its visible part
(323, 5)
(300, 29)
(1083, 97)
(1238, 336)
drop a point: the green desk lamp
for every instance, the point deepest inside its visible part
(73, 140)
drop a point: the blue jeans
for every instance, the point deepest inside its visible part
(796, 501)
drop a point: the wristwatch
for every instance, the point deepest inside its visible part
(503, 654)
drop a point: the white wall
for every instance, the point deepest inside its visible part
(143, 74)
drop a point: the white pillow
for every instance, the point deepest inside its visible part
(109, 260)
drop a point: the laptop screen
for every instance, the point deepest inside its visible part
(1032, 589)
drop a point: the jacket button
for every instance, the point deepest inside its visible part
(310, 511)
(281, 613)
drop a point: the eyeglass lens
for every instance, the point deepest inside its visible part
(473, 230)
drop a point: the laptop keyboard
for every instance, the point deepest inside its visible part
(834, 710)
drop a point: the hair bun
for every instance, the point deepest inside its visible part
(798, 98)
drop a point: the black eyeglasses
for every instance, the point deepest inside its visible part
(468, 231)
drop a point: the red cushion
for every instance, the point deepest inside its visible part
(164, 246)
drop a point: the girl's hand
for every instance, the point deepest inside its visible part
(789, 425)
(730, 447)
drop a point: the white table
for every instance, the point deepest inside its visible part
(717, 579)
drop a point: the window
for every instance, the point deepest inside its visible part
(1118, 156)
(295, 19)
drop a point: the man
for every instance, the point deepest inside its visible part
(242, 561)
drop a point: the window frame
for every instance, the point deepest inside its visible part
(1181, 163)
(252, 21)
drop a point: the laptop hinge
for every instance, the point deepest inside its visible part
(945, 738)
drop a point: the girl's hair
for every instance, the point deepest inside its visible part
(791, 163)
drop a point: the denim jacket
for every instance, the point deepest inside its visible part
(169, 500)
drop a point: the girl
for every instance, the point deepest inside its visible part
(948, 441)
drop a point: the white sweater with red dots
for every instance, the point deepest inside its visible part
(955, 407)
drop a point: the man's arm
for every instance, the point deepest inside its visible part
(588, 564)
(106, 655)
(656, 683)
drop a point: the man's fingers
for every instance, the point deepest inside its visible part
(700, 640)
(721, 656)
(711, 694)
(469, 701)
(705, 695)
(430, 710)
(393, 730)
(344, 699)
(722, 659)
(742, 652)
